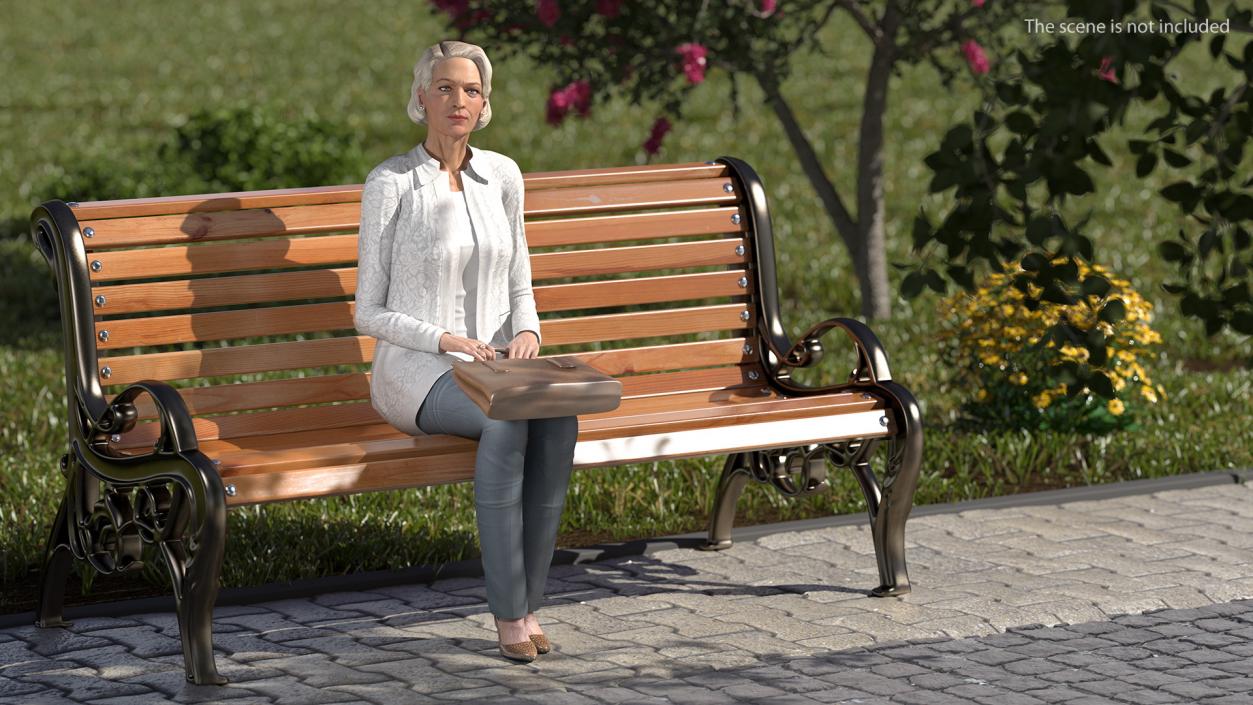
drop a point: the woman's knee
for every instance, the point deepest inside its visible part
(512, 431)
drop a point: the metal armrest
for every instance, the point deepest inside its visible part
(872, 359)
(178, 432)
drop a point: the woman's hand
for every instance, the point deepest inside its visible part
(477, 349)
(524, 344)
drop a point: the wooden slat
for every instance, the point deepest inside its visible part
(222, 225)
(237, 360)
(210, 202)
(585, 178)
(226, 291)
(641, 290)
(634, 226)
(260, 423)
(636, 196)
(350, 350)
(277, 253)
(645, 324)
(321, 481)
(225, 325)
(305, 251)
(275, 198)
(640, 258)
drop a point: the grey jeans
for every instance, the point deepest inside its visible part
(521, 472)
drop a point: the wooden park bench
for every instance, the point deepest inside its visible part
(212, 362)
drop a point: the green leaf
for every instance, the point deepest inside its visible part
(1175, 159)
(1145, 164)
(912, 286)
(1095, 285)
(1101, 384)
(1113, 311)
(1098, 155)
(1195, 129)
(1172, 251)
(1241, 237)
(1216, 45)
(1034, 262)
(963, 276)
(1242, 321)
(1209, 240)
(1183, 193)
(1020, 123)
(936, 282)
(1039, 229)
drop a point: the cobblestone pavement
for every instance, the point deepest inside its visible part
(1139, 599)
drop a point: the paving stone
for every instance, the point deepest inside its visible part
(83, 684)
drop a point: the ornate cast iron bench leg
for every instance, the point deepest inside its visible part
(106, 524)
(802, 470)
(58, 559)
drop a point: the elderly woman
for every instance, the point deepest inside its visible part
(444, 273)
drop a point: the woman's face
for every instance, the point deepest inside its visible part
(455, 99)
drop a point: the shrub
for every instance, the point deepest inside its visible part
(241, 148)
(1025, 373)
(105, 177)
(246, 147)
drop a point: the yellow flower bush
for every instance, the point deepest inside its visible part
(1023, 376)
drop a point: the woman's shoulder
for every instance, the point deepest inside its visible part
(390, 168)
(501, 165)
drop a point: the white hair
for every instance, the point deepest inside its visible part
(424, 70)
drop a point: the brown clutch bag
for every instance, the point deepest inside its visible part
(537, 388)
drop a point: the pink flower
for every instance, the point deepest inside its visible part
(575, 95)
(465, 22)
(458, 11)
(693, 61)
(454, 8)
(660, 127)
(609, 8)
(977, 3)
(580, 96)
(548, 11)
(767, 7)
(1106, 72)
(975, 57)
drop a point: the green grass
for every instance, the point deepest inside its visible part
(85, 79)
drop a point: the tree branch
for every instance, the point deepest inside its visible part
(867, 25)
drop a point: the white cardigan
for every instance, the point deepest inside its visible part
(406, 283)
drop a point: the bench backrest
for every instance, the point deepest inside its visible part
(245, 300)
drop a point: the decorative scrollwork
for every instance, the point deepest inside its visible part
(802, 470)
(795, 471)
(109, 524)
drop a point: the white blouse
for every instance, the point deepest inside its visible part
(453, 224)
